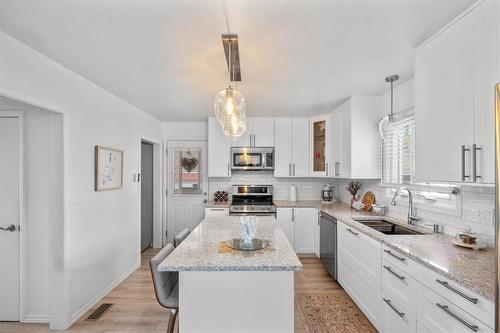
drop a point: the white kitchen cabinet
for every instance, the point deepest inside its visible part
(284, 218)
(216, 211)
(454, 103)
(259, 133)
(354, 138)
(306, 221)
(299, 226)
(218, 151)
(394, 317)
(291, 140)
(359, 270)
(319, 146)
(317, 238)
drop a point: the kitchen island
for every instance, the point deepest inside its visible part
(224, 290)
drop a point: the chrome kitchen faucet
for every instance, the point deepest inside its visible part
(412, 219)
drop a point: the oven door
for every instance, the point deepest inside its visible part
(245, 159)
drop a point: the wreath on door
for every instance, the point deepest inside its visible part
(189, 163)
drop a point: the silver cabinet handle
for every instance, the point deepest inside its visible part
(456, 291)
(389, 269)
(474, 149)
(389, 252)
(10, 228)
(228, 169)
(337, 168)
(293, 214)
(445, 308)
(388, 302)
(293, 168)
(463, 162)
(216, 209)
(326, 169)
(352, 232)
(289, 169)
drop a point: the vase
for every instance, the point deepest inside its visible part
(354, 199)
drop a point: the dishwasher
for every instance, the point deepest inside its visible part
(328, 243)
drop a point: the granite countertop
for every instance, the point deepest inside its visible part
(474, 270)
(202, 249)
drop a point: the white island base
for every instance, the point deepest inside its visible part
(236, 302)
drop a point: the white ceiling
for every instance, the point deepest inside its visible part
(298, 57)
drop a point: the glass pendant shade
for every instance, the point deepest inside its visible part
(230, 112)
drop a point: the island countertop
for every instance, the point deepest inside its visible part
(204, 249)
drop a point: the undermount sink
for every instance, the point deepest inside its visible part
(387, 227)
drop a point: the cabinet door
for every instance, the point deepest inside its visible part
(444, 81)
(218, 151)
(340, 143)
(305, 221)
(284, 217)
(484, 113)
(300, 147)
(319, 146)
(282, 148)
(263, 132)
(246, 139)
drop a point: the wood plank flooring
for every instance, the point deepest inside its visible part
(136, 310)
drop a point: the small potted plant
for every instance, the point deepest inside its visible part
(353, 188)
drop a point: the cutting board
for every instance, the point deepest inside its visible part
(368, 201)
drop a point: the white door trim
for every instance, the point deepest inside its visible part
(158, 229)
(22, 234)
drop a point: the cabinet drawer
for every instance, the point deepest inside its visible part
(400, 287)
(439, 315)
(399, 260)
(367, 299)
(395, 318)
(212, 211)
(478, 306)
(361, 253)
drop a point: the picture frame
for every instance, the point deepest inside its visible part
(108, 168)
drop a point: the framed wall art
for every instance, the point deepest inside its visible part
(108, 168)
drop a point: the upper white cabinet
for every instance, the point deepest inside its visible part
(354, 138)
(319, 143)
(259, 133)
(455, 73)
(291, 142)
(218, 151)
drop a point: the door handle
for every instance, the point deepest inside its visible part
(463, 162)
(474, 149)
(10, 228)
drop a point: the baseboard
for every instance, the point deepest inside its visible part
(36, 319)
(103, 293)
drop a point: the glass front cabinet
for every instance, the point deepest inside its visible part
(319, 146)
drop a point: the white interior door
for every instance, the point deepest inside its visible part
(187, 185)
(9, 219)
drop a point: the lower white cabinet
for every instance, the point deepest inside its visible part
(359, 261)
(216, 211)
(398, 294)
(300, 227)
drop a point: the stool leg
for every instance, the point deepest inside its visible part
(171, 320)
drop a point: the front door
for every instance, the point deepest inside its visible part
(187, 185)
(9, 219)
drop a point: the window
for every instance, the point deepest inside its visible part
(398, 152)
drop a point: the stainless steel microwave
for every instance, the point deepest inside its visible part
(252, 158)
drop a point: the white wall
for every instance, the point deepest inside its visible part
(101, 229)
(196, 130)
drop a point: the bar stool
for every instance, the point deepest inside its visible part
(166, 286)
(181, 236)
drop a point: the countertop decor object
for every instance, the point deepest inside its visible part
(293, 193)
(358, 205)
(474, 246)
(327, 193)
(353, 187)
(368, 201)
(221, 196)
(254, 245)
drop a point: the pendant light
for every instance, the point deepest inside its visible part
(229, 105)
(391, 117)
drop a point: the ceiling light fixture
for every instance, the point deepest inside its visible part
(390, 118)
(229, 105)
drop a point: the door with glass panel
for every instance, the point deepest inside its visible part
(319, 146)
(187, 185)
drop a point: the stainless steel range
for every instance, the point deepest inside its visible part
(252, 200)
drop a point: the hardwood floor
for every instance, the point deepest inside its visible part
(136, 310)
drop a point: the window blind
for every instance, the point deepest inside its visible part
(398, 152)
